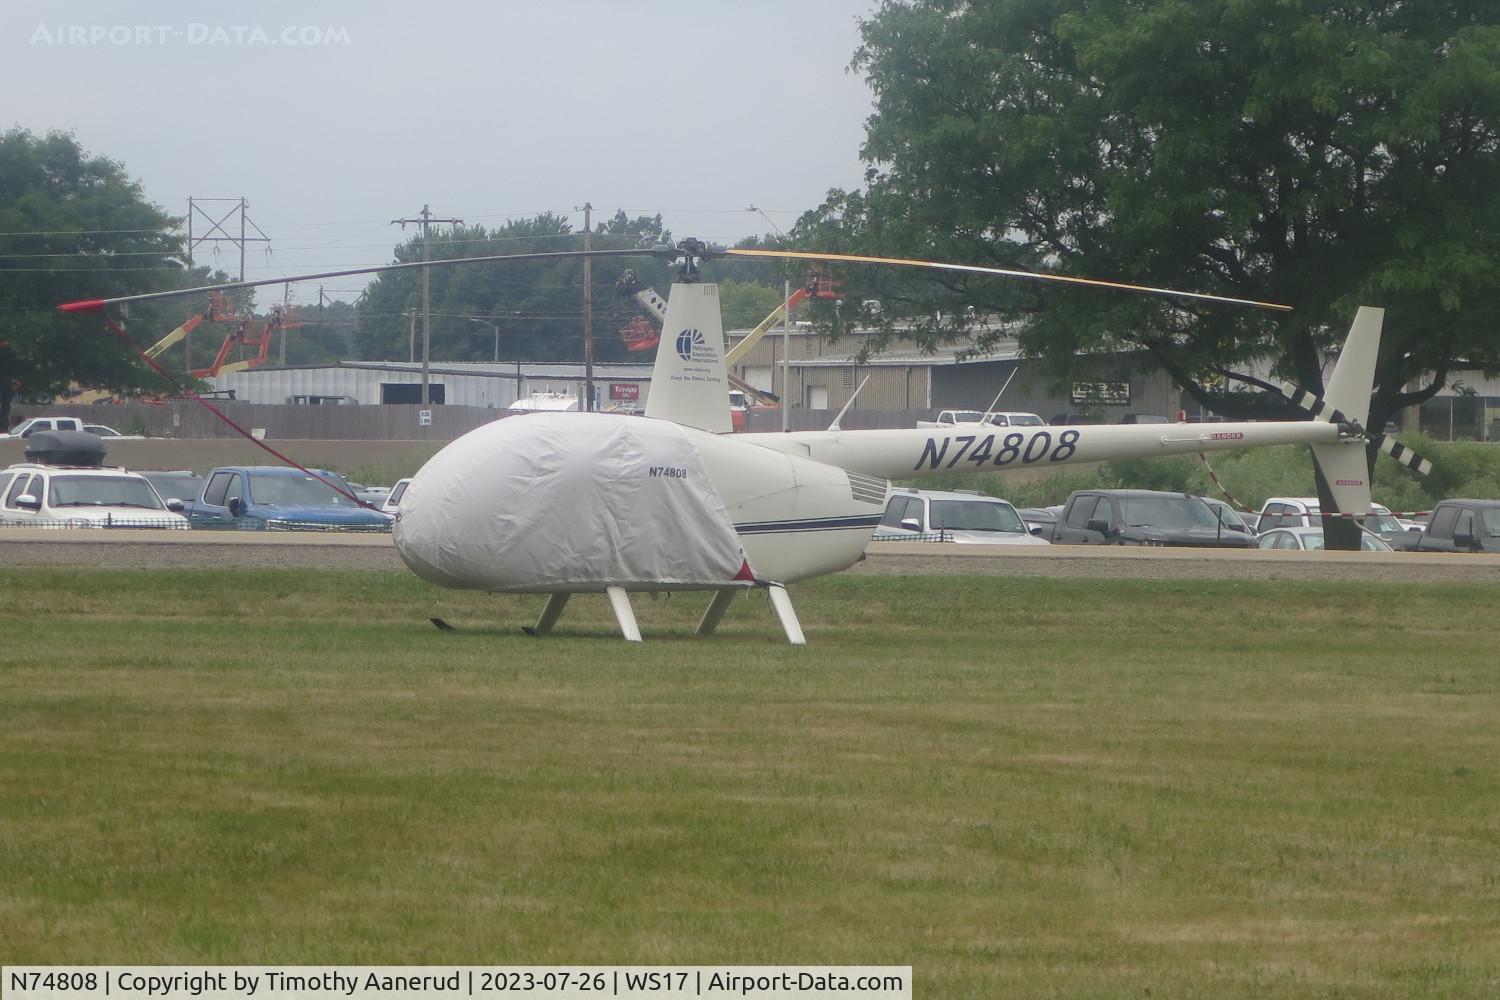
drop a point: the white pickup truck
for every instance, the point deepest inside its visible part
(26, 428)
(959, 418)
(952, 516)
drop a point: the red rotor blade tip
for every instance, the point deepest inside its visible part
(83, 306)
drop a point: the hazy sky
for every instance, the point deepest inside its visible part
(334, 118)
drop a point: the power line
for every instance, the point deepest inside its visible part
(77, 232)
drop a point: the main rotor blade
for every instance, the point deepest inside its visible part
(1008, 273)
(98, 305)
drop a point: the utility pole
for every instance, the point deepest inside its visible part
(588, 311)
(426, 220)
(786, 333)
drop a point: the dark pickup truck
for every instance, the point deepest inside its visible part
(1462, 526)
(1144, 517)
(279, 498)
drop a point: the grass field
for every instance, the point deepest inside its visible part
(1021, 788)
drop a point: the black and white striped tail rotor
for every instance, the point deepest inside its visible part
(1404, 455)
(1321, 410)
(1313, 404)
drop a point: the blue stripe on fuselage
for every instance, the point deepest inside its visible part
(809, 524)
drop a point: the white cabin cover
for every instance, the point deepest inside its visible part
(550, 502)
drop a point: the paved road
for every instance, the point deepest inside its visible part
(174, 549)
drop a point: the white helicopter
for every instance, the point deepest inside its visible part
(562, 503)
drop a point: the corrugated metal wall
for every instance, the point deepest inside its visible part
(185, 419)
(465, 384)
(279, 385)
(973, 387)
(889, 387)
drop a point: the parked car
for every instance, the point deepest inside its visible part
(1144, 517)
(181, 484)
(392, 503)
(952, 516)
(1144, 418)
(1076, 419)
(1041, 520)
(953, 418)
(1311, 539)
(67, 485)
(372, 495)
(1011, 418)
(109, 433)
(1306, 512)
(1003, 418)
(274, 497)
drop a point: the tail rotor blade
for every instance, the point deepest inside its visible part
(1319, 409)
(1401, 453)
(1310, 402)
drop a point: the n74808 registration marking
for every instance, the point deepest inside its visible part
(1012, 447)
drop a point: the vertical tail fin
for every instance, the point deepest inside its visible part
(689, 384)
(1354, 374)
(1344, 465)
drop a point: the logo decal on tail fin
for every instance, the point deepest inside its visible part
(691, 346)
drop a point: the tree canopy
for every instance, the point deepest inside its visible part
(73, 226)
(536, 305)
(1320, 154)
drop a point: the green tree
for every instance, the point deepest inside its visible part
(74, 226)
(746, 303)
(537, 304)
(1320, 154)
(324, 335)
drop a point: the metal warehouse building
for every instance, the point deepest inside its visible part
(906, 383)
(488, 385)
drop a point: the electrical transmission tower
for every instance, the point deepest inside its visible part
(215, 232)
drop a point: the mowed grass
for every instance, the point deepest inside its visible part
(1019, 787)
